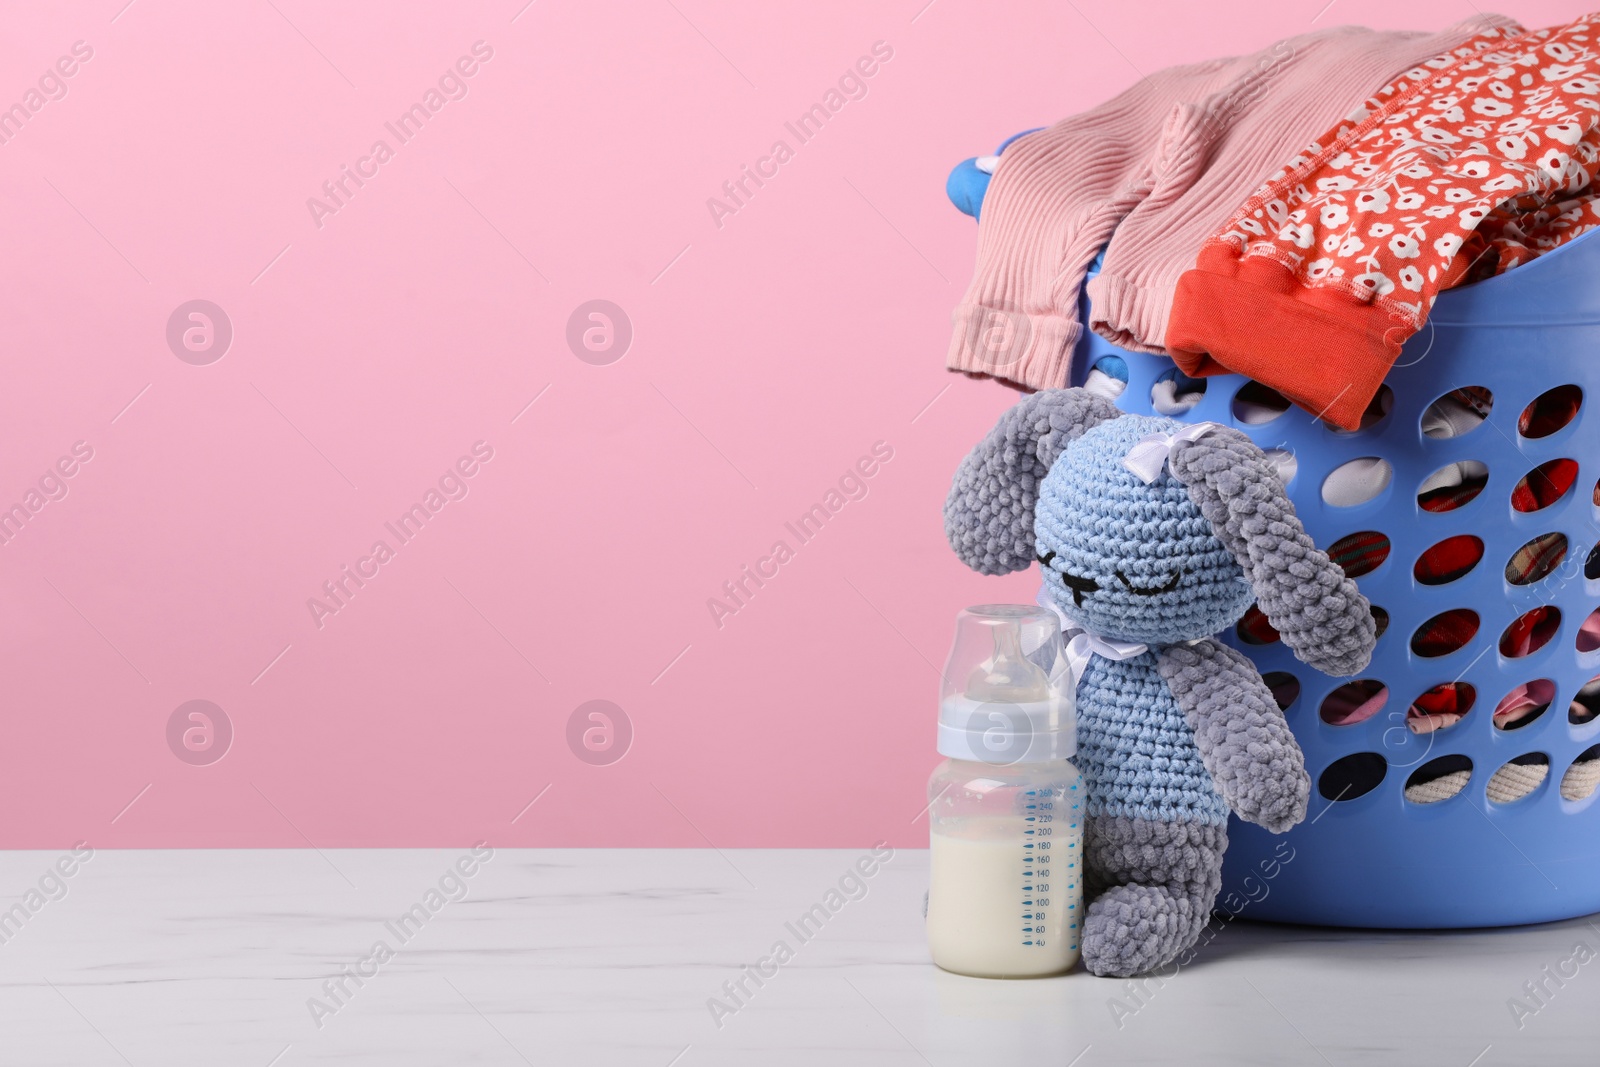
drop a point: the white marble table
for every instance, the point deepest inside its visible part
(606, 957)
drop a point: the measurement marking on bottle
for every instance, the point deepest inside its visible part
(1035, 922)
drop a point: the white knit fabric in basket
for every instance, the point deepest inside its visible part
(1515, 781)
(1511, 782)
(1580, 779)
(1441, 788)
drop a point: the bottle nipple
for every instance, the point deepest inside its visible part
(1007, 676)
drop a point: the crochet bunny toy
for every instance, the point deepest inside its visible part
(1153, 536)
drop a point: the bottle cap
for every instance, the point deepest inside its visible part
(1006, 695)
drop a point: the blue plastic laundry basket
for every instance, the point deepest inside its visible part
(1378, 859)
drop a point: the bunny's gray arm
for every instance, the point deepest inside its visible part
(1243, 739)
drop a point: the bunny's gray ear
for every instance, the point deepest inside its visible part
(1322, 617)
(988, 515)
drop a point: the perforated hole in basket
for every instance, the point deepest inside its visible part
(1254, 629)
(1284, 463)
(1545, 485)
(1535, 560)
(1440, 707)
(1354, 702)
(1448, 560)
(1588, 638)
(1591, 563)
(1380, 621)
(1452, 486)
(1550, 411)
(1530, 631)
(1524, 704)
(1356, 482)
(1519, 778)
(1113, 367)
(1581, 778)
(1458, 412)
(1174, 392)
(1352, 776)
(1439, 779)
(1360, 553)
(1285, 688)
(1256, 404)
(1585, 703)
(1447, 632)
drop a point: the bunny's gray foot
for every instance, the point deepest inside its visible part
(1153, 885)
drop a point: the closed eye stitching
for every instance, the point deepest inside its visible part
(1171, 584)
(1077, 584)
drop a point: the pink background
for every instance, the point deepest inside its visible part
(769, 354)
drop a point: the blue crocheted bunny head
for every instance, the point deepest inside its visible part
(1131, 560)
(1173, 559)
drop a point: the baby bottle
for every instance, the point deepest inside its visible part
(1005, 896)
